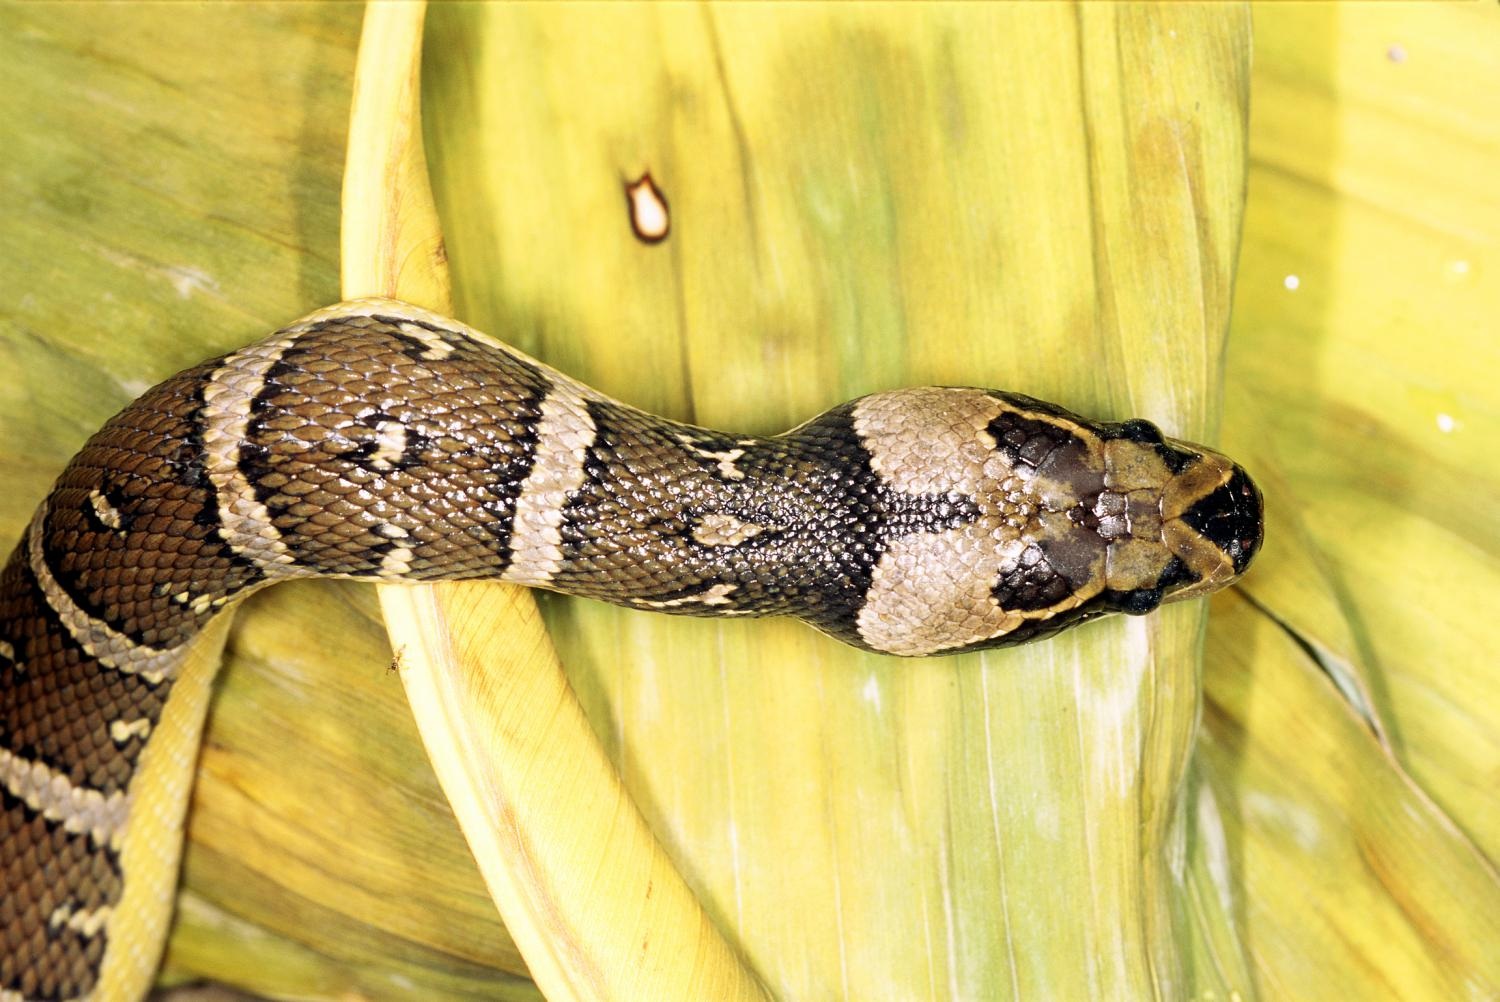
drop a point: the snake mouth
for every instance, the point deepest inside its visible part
(1232, 518)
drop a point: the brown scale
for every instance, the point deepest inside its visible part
(314, 458)
(55, 711)
(383, 441)
(144, 465)
(131, 537)
(819, 515)
(43, 869)
(144, 471)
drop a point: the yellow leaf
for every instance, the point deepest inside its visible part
(1038, 197)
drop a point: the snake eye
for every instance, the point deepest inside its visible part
(1231, 519)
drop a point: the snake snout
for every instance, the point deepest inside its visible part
(1232, 518)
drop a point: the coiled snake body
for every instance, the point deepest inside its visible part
(376, 440)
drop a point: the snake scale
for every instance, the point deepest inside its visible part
(374, 440)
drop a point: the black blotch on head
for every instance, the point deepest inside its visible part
(1026, 441)
(1177, 573)
(1135, 602)
(1231, 519)
(1033, 584)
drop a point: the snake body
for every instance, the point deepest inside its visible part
(373, 440)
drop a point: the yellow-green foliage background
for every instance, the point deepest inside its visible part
(863, 197)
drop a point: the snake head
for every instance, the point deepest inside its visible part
(1005, 518)
(1179, 520)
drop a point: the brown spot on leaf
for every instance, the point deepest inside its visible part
(650, 218)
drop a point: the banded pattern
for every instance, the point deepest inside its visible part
(375, 440)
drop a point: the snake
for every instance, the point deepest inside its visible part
(373, 440)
